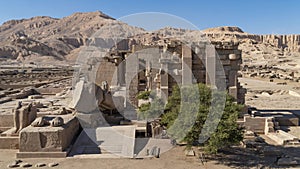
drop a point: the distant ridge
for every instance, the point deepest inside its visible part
(61, 39)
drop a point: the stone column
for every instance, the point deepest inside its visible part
(121, 73)
(164, 76)
(210, 65)
(131, 78)
(187, 76)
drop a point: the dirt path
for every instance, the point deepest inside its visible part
(173, 159)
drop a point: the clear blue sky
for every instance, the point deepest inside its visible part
(253, 16)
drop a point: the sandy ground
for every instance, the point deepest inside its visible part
(263, 94)
(173, 159)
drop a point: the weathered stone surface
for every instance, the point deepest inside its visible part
(40, 165)
(89, 97)
(256, 124)
(5, 99)
(24, 93)
(9, 142)
(26, 165)
(53, 164)
(56, 122)
(39, 122)
(23, 116)
(35, 97)
(283, 138)
(13, 165)
(190, 153)
(49, 139)
(84, 99)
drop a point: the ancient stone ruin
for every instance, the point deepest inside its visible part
(159, 67)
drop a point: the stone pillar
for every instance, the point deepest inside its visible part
(121, 73)
(187, 76)
(210, 65)
(148, 75)
(164, 75)
(232, 81)
(131, 78)
(233, 91)
(164, 84)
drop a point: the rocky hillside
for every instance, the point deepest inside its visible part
(267, 56)
(50, 37)
(42, 38)
(288, 43)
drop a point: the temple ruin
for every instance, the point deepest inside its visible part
(159, 67)
(47, 123)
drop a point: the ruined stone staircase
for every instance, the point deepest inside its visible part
(283, 138)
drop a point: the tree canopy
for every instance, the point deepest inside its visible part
(193, 111)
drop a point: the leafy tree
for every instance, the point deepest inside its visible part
(194, 106)
(144, 95)
(150, 111)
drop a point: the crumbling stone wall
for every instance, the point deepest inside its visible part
(176, 60)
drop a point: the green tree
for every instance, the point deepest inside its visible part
(144, 95)
(151, 110)
(182, 109)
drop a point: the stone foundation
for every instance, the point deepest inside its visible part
(48, 142)
(9, 142)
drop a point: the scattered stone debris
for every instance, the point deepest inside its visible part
(19, 161)
(26, 165)
(40, 165)
(39, 122)
(57, 121)
(249, 135)
(190, 152)
(15, 164)
(53, 164)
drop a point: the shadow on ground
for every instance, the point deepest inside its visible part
(256, 157)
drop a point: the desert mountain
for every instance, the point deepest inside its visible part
(58, 39)
(51, 37)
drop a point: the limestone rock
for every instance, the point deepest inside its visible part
(40, 165)
(53, 164)
(190, 153)
(26, 165)
(39, 122)
(13, 165)
(57, 121)
(225, 29)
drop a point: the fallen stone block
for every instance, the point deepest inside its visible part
(26, 165)
(53, 164)
(40, 165)
(190, 153)
(5, 99)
